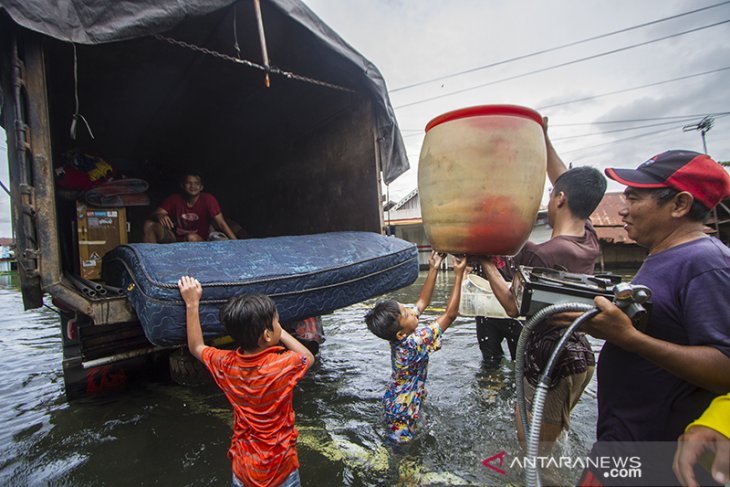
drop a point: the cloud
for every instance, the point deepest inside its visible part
(415, 41)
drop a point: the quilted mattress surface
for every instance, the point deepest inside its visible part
(305, 275)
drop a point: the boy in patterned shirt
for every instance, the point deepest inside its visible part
(410, 346)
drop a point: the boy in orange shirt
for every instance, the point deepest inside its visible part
(258, 379)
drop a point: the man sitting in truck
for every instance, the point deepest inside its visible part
(186, 216)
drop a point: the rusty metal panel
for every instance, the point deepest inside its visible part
(104, 311)
(21, 189)
(42, 163)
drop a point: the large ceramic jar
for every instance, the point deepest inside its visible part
(481, 176)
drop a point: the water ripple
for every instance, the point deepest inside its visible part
(163, 434)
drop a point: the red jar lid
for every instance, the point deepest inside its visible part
(481, 110)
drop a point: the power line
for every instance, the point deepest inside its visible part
(629, 138)
(562, 46)
(674, 120)
(625, 129)
(715, 114)
(631, 89)
(603, 122)
(575, 61)
(620, 140)
(671, 120)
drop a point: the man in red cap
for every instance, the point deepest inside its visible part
(651, 384)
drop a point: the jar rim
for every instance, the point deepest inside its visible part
(482, 110)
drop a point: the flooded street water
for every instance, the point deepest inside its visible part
(159, 433)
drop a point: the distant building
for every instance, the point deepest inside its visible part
(403, 220)
(6, 245)
(7, 262)
(617, 249)
(720, 221)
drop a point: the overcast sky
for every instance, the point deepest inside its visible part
(418, 40)
(411, 41)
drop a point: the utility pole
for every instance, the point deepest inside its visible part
(703, 126)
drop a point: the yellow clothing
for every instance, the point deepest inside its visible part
(716, 416)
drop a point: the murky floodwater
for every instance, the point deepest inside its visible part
(158, 433)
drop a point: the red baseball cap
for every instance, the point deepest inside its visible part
(698, 174)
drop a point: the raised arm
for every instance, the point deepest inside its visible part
(500, 287)
(555, 165)
(191, 292)
(434, 264)
(220, 222)
(452, 307)
(296, 346)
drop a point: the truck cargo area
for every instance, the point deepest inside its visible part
(187, 92)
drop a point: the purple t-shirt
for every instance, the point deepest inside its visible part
(640, 401)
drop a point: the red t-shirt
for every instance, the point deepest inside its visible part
(191, 219)
(259, 387)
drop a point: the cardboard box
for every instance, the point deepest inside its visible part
(99, 230)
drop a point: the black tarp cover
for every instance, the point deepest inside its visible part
(102, 21)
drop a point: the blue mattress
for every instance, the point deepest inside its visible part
(305, 275)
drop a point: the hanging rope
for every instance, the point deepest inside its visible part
(273, 70)
(235, 32)
(77, 116)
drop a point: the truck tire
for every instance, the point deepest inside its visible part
(186, 370)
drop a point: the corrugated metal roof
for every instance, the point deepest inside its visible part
(406, 199)
(615, 235)
(607, 221)
(606, 215)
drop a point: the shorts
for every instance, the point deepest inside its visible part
(168, 236)
(491, 332)
(561, 399)
(292, 480)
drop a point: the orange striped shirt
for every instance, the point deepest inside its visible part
(259, 387)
